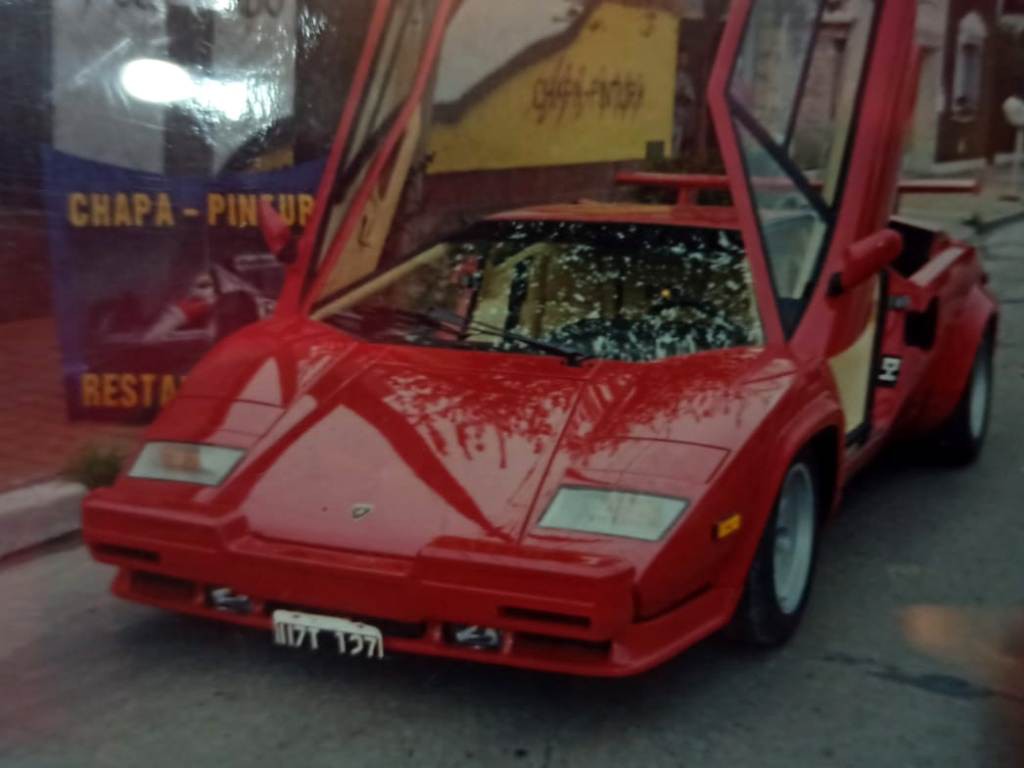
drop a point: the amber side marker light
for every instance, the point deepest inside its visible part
(728, 527)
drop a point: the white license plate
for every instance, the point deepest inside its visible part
(306, 630)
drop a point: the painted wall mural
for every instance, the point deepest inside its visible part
(559, 84)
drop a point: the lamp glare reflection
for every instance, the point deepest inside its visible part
(156, 81)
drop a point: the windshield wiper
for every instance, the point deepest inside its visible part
(451, 322)
(448, 320)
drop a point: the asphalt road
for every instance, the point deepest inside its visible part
(87, 681)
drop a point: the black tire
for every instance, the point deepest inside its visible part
(962, 438)
(763, 618)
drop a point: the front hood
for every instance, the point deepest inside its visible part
(386, 449)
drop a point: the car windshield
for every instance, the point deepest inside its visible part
(627, 292)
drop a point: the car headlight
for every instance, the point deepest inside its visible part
(186, 463)
(613, 513)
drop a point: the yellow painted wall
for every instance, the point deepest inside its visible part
(567, 109)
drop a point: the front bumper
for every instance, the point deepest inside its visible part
(558, 612)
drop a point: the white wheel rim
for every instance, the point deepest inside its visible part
(794, 538)
(979, 396)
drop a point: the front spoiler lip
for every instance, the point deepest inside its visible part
(561, 596)
(637, 649)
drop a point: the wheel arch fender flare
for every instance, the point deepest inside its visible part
(820, 425)
(951, 368)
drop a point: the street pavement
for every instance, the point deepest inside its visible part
(88, 681)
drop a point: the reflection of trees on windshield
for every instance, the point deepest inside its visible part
(628, 292)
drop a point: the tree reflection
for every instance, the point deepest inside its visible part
(485, 436)
(449, 411)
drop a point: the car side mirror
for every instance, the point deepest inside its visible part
(276, 233)
(865, 259)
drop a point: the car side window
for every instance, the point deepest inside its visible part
(793, 95)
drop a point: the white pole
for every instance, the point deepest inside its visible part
(1018, 159)
(1013, 109)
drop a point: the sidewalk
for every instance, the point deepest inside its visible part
(964, 215)
(36, 439)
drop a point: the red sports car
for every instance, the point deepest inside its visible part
(576, 438)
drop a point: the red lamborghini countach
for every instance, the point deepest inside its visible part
(577, 438)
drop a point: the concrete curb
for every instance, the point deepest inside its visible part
(965, 226)
(39, 513)
(986, 227)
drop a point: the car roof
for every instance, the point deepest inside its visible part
(704, 217)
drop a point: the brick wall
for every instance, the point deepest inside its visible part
(24, 267)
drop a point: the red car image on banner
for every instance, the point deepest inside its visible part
(189, 267)
(576, 437)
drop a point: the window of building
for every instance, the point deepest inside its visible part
(972, 35)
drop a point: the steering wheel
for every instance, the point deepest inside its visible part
(669, 300)
(706, 308)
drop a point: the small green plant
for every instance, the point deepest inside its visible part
(95, 466)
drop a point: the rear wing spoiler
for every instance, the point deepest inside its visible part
(690, 185)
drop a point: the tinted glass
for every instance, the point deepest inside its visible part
(615, 291)
(793, 229)
(779, 38)
(794, 93)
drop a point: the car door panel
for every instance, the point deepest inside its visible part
(374, 152)
(841, 166)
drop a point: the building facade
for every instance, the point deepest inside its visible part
(955, 108)
(1010, 68)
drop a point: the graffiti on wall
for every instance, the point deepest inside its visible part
(570, 92)
(536, 90)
